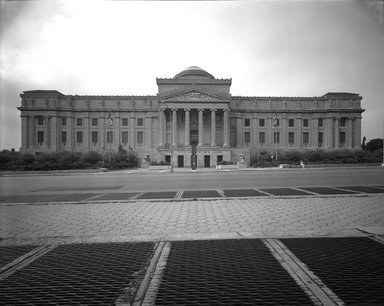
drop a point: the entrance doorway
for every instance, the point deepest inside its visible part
(207, 161)
(180, 161)
(193, 157)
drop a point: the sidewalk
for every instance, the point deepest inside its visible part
(189, 219)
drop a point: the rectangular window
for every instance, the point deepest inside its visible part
(261, 122)
(305, 138)
(291, 122)
(247, 122)
(109, 137)
(94, 122)
(124, 138)
(64, 137)
(95, 138)
(305, 122)
(320, 122)
(342, 139)
(79, 137)
(40, 120)
(79, 121)
(63, 121)
(261, 137)
(320, 139)
(247, 138)
(125, 121)
(342, 121)
(291, 138)
(40, 137)
(276, 137)
(140, 122)
(140, 138)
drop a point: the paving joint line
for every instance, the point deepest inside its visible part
(136, 196)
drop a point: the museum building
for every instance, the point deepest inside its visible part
(193, 115)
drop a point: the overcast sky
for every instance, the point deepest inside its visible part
(274, 48)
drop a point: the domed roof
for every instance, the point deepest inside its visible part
(193, 72)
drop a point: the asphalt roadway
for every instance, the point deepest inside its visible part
(183, 179)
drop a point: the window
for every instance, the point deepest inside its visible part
(94, 122)
(95, 138)
(320, 122)
(64, 137)
(276, 137)
(342, 139)
(247, 122)
(124, 137)
(109, 137)
(140, 138)
(79, 137)
(342, 121)
(305, 138)
(261, 137)
(247, 138)
(168, 159)
(63, 121)
(305, 122)
(140, 122)
(291, 122)
(79, 121)
(125, 121)
(261, 122)
(219, 159)
(40, 137)
(320, 139)
(291, 138)
(40, 120)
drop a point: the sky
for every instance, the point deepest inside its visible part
(268, 48)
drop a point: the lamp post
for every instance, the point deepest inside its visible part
(169, 111)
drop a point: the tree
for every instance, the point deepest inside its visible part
(363, 145)
(374, 144)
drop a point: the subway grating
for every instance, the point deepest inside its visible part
(367, 189)
(77, 274)
(201, 194)
(327, 190)
(10, 253)
(158, 195)
(353, 267)
(226, 272)
(28, 198)
(243, 193)
(116, 196)
(284, 191)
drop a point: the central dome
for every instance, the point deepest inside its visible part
(194, 72)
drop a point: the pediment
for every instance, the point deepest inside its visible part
(195, 95)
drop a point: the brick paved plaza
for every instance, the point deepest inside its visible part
(189, 219)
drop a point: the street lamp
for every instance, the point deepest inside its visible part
(169, 111)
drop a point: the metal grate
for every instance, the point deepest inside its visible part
(243, 193)
(116, 196)
(158, 195)
(86, 274)
(28, 198)
(284, 191)
(75, 197)
(81, 188)
(201, 194)
(327, 190)
(367, 189)
(10, 253)
(353, 268)
(226, 272)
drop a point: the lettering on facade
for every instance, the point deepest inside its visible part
(194, 95)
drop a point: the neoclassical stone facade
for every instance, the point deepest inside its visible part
(192, 113)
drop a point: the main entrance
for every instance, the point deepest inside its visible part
(180, 161)
(207, 161)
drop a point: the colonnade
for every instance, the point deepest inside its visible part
(187, 127)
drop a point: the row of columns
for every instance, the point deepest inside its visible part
(187, 127)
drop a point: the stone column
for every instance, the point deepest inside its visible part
(283, 136)
(148, 131)
(31, 131)
(226, 129)
(24, 132)
(314, 134)
(239, 132)
(213, 127)
(187, 127)
(357, 130)
(200, 144)
(86, 132)
(328, 137)
(161, 128)
(54, 133)
(336, 135)
(253, 132)
(47, 131)
(349, 134)
(116, 128)
(174, 127)
(299, 141)
(101, 131)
